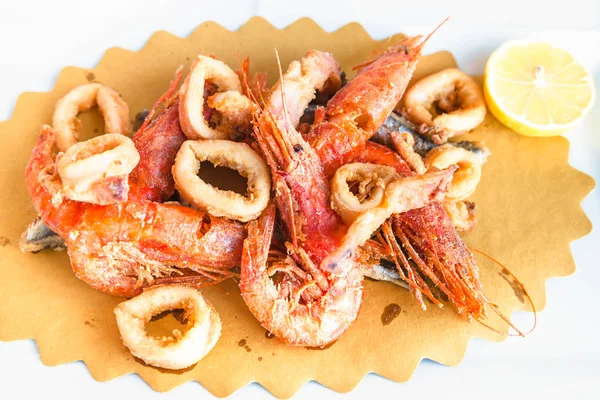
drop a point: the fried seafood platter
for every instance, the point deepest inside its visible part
(278, 207)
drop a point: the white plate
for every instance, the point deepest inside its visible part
(561, 358)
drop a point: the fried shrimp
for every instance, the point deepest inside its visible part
(110, 104)
(221, 203)
(199, 99)
(359, 108)
(97, 171)
(445, 103)
(288, 292)
(181, 350)
(358, 187)
(466, 177)
(123, 248)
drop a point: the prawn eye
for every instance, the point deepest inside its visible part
(298, 148)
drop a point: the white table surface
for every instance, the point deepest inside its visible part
(560, 359)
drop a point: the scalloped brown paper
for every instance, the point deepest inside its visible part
(528, 208)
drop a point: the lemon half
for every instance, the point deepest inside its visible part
(537, 89)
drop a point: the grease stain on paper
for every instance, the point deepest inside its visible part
(390, 313)
(244, 343)
(506, 275)
(269, 335)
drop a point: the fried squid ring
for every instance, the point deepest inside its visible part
(96, 171)
(400, 195)
(181, 351)
(235, 109)
(221, 203)
(404, 144)
(466, 177)
(110, 104)
(358, 187)
(452, 92)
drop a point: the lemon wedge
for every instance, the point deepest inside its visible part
(537, 89)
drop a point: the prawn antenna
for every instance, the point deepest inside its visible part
(285, 110)
(435, 30)
(420, 46)
(495, 308)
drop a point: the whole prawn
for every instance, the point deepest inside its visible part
(122, 248)
(305, 305)
(291, 288)
(340, 134)
(341, 131)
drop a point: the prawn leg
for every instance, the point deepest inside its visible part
(352, 116)
(122, 248)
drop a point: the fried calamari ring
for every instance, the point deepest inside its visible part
(234, 108)
(358, 187)
(96, 171)
(402, 194)
(466, 177)
(221, 203)
(172, 353)
(110, 104)
(452, 92)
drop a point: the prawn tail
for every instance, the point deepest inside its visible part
(41, 159)
(44, 186)
(254, 87)
(158, 141)
(243, 73)
(168, 98)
